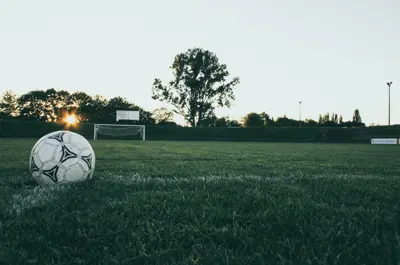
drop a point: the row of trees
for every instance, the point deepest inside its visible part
(327, 120)
(200, 84)
(53, 105)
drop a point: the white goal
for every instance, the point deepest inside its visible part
(119, 130)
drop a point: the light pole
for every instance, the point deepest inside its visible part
(389, 84)
(300, 114)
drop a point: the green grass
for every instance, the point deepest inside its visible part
(215, 203)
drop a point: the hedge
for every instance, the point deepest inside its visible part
(34, 129)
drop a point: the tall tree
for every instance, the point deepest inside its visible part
(9, 105)
(114, 104)
(81, 104)
(320, 119)
(253, 120)
(145, 116)
(56, 103)
(267, 119)
(96, 109)
(357, 117)
(222, 122)
(234, 123)
(79, 99)
(199, 85)
(43, 105)
(209, 120)
(33, 106)
(324, 119)
(286, 122)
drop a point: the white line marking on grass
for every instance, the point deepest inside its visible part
(29, 198)
(137, 178)
(349, 176)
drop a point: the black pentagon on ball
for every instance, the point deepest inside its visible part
(58, 137)
(88, 160)
(66, 154)
(52, 173)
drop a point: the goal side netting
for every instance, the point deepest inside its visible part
(119, 131)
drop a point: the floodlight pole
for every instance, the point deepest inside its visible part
(300, 114)
(389, 84)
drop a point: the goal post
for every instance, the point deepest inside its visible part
(119, 130)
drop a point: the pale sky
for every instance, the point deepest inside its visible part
(335, 56)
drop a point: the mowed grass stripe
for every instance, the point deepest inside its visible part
(309, 186)
(306, 204)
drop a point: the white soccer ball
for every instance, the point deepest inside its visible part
(61, 157)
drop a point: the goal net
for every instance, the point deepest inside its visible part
(119, 131)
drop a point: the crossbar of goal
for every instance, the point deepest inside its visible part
(113, 127)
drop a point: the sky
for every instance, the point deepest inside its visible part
(333, 55)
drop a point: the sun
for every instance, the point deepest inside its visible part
(71, 119)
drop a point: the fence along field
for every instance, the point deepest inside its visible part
(274, 134)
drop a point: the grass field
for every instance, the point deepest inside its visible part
(207, 203)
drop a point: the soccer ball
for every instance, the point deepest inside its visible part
(61, 157)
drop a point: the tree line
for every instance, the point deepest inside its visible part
(200, 85)
(324, 120)
(54, 105)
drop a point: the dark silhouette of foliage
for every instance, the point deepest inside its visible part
(222, 122)
(357, 117)
(9, 105)
(268, 121)
(286, 122)
(309, 123)
(234, 123)
(199, 86)
(209, 120)
(82, 104)
(52, 105)
(32, 106)
(253, 120)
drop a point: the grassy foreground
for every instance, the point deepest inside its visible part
(207, 203)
